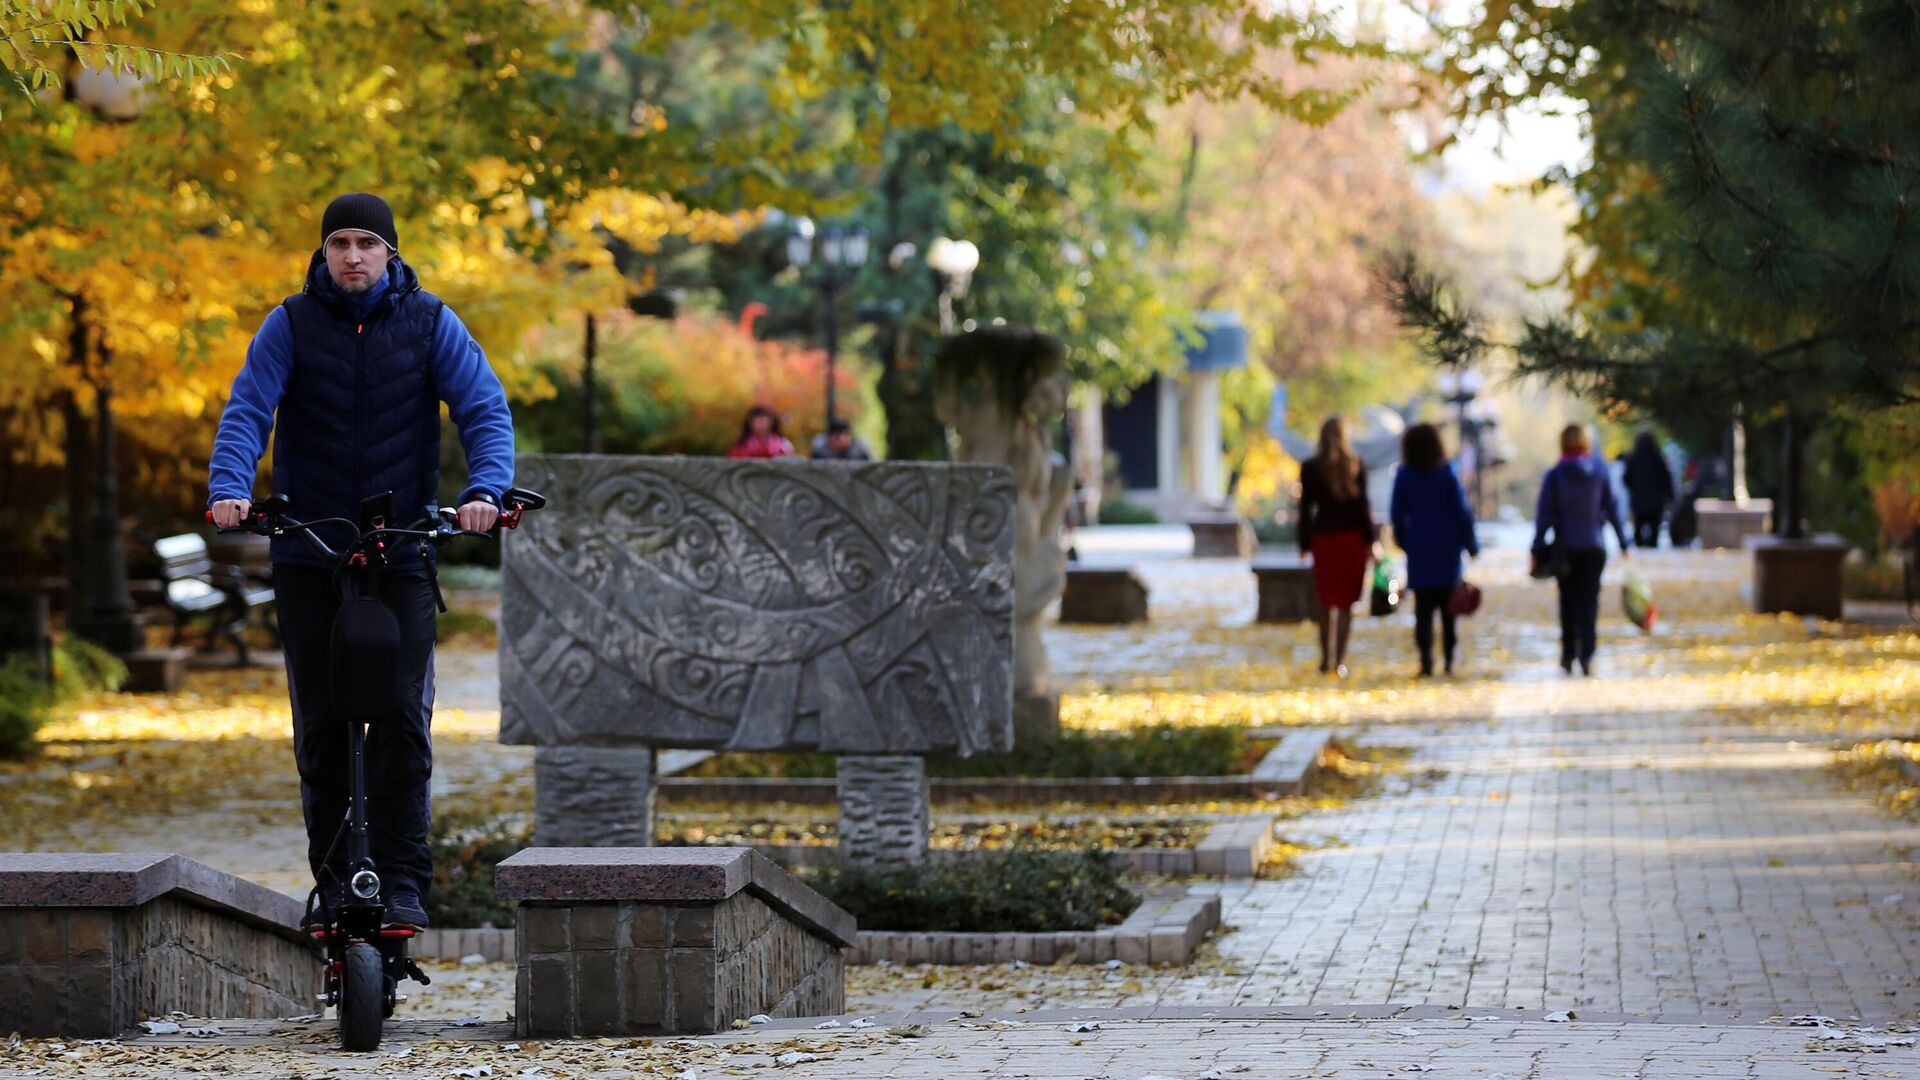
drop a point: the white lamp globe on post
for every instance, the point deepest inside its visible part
(955, 262)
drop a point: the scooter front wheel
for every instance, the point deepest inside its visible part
(362, 993)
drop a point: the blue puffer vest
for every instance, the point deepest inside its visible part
(360, 414)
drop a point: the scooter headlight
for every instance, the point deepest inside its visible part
(366, 884)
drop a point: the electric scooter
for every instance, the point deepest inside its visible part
(365, 960)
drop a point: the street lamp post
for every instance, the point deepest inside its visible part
(1460, 386)
(842, 252)
(955, 262)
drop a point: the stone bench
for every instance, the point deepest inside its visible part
(1286, 591)
(1104, 594)
(1724, 523)
(1221, 536)
(90, 943)
(667, 941)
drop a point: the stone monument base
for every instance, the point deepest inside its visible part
(91, 943)
(1036, 719)
(1805, 577)
(1286, 591)
(1103, 595)
(1727, 524)
(1221, 536)
(667, 941)
(593, 796)
(885, 812)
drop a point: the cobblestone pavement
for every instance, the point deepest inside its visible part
(1193, 1043)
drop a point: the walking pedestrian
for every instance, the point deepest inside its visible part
(1434, 526)
(1577, 506)
(760, 436)
(1337, 533)
(1649, 489)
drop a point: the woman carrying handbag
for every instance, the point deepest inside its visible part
(1338, 534)
(1434, 526)
(1577, 507)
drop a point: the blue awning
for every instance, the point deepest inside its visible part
(1222, 345)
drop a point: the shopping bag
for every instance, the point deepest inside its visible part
(1465, 599)
(1636, 597)
(1386, 589)
(1549, 561)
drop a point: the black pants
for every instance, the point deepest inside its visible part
(1646, 529)
(399, 751)
(1580, 604)
(1425, 603)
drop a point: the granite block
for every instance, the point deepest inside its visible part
(548, 929)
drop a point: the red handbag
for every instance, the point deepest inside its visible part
(1465, 599)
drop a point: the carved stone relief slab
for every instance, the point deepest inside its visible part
(760, 605)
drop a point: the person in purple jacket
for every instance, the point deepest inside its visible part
(1432, 524)
(1577, 506)
(348, 375)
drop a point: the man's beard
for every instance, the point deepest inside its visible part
(355, 288)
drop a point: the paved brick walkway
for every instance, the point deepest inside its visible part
(1192, 1044)
(1624, 844)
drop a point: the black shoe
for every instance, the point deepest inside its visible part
(1586, 667)
(1566, 664)
(404, 910)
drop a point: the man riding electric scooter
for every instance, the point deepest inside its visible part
(349, 374)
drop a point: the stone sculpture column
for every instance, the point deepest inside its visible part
(885, 812)
(1001, 388)
(593, 796)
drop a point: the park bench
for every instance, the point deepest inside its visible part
(194, 586)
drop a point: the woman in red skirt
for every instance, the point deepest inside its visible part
(1337, 534)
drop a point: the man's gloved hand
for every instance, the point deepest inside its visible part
(477, 516)
(228, 513)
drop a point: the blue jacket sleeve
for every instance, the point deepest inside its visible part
(478, 405)
(248, 418)
(1397, 508)
(1469, 535)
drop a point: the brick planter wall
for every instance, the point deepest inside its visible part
(90, 943)
(652, 941)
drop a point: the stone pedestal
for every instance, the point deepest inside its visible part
(1103, 595)
(1221, 536)
(593, 796)
(1805, 577)
(1036, 718)
(667, 941)
(885, 812)
(156, 671)
(1286, 591)
(1725, 523)
(90, 943)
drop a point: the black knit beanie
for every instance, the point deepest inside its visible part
(358, 210)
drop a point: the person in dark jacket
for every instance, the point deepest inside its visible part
(1337, 533)
(349, 376)
(1577, 506)
(1433, 525)
(1649, 489)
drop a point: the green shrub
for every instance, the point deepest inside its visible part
(1122, 512)
(1161, 750)
(1005, 891)
(465, 850)
(80, 667)
(26, 703)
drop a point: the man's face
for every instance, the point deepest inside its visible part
(356, 259)
(840, 440)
